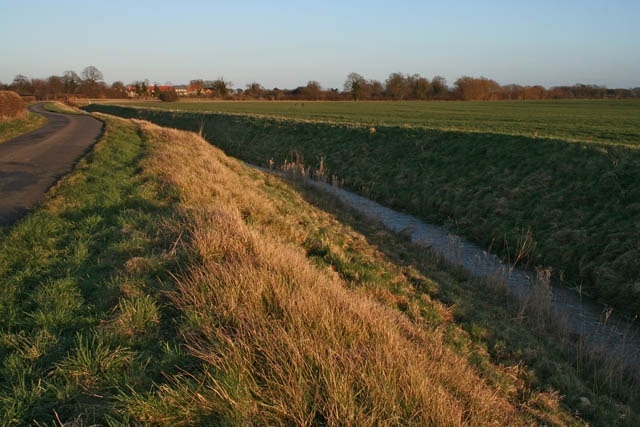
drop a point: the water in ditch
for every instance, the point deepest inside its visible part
(600, 329)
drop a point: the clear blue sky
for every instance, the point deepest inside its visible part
(281, 43)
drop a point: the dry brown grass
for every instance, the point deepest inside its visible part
(11, 106)
(285, 342)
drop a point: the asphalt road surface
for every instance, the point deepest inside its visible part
(32, 163)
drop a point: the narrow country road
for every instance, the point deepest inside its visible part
(32, 163)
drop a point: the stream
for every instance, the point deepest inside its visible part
(601, 330)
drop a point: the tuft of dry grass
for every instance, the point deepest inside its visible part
(11, 106)
(282, 340)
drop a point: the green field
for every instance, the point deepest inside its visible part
(578, 201)
(609, 121)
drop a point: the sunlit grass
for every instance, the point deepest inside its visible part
(60, 107)
(13, 128)
(577, 200)
(164, 283)
(285, 341)
(67, 271)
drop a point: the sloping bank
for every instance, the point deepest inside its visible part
(572, 206)
(150, 290)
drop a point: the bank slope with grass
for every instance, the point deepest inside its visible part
(13, 128)
(152, 290)
(573, 206)
(14, 117)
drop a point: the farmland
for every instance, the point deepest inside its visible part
(575, 199)
(607, 121)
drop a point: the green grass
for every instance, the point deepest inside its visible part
(579, 201)
(81, 281)
(13, 128)
(59, 107)
(94, 331)
(608, 121)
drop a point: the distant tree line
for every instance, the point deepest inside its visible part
(90, 83)
(398, 86)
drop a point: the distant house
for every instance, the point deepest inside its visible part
(156, 89)
(194, 89)
(132, 91)
(181, 90)
(142, 90)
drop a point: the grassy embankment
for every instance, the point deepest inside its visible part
(12, 128)
(573, 206)
(147, 289)
(59, 107)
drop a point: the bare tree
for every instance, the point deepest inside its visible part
(254, 90)
(92, 74)
(535, 92)
(376, 89)
(71, 81)
(56, 86)
(141, 87)
(472, 88)
(439, 86)
(419, 87)
(397, 86)
(40, 89)
(312, 90)
(513, 91)
(92, 82)
(220, 87)
(22, 85)
(355, 85)
(117, 90)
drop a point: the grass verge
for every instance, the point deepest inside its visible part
(59, 107)
(12, 128)
(81, 281)
(153, 290)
